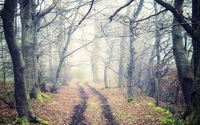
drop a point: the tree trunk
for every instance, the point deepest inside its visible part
(182, 63)
(94, 61)
(22, 105)
(51, 71)
(130, 84)
(158, 68)
(105, 77)
(194, 32)
(54, 88)
(194, 105)
(151, 82)
(29, 44)
(156, 90)
(121, 78)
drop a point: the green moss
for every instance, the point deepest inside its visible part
(131, 99)
(8, 120)
(159, 109)
(168, 119)
(120, 111)
(93, 104)
(43, 122)
(95, 123)
(151, 104)
(43, 97)
(46, 97)
(148, 116)
(1, 96)
(10, 91)
(39, 97)
(194, 116)
(22, 121)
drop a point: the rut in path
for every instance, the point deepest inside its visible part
(105, 107)
(78, 117)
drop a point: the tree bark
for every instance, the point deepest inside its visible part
(30, 21)
(94, 61)
(194, 106)
(28, 44)
(158, 68)
(194, 32)
(182, 62)
(95, 55)
(121, 78)
(130, 83)
(151, 82)
(22, 105)
(106, 77)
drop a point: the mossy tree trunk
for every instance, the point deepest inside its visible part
(30, 21)
(194, 32)
(194, 109)
(22, 105)
(182, 62)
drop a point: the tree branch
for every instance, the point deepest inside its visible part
(86, 13)
(119, 9)
(79, 48)
(180, 18)
(150, 16)
(43, 13)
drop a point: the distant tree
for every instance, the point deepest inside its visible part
(131, 64)
(157, 48)
(71, 29)
(121, 76)
(107, 61)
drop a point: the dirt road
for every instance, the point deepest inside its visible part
(84, 103)
(78, 116)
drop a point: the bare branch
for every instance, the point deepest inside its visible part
(43, 13)
(150, 16)
(86, 13)
(79, 48)
(180, 18)
(119, 9)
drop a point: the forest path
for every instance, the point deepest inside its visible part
(105, 106)
(86, 103)
(98, 101)
(78, 116)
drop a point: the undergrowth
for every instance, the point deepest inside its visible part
(166, 116)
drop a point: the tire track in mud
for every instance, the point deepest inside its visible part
(78, 116)
(105, 107)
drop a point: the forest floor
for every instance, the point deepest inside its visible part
(84, 103)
